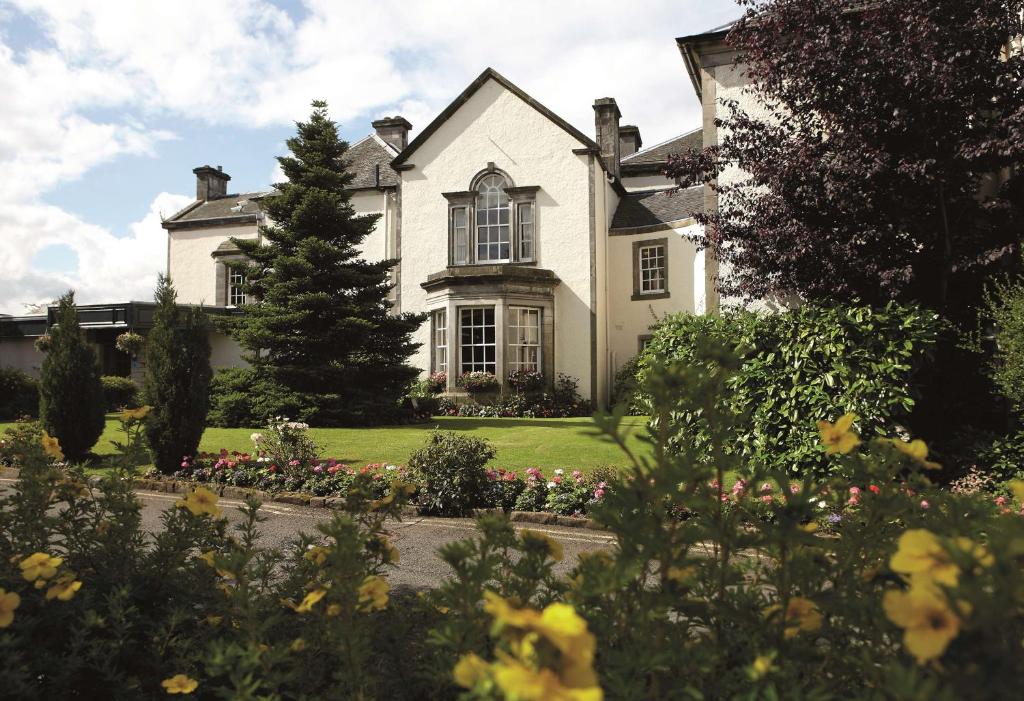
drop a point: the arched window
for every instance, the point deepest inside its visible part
(493, 241)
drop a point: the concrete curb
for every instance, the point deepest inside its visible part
(300, 499)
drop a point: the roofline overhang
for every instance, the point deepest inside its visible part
(171, 225)
(690, 49)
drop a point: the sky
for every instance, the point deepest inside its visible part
(107, 106)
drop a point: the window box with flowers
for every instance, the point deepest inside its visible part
(478, 382)
(526, 381)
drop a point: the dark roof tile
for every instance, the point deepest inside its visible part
(654, 207)
(656, 155)
(365, 158)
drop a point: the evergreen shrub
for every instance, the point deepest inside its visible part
(19, 394)
(119, 392)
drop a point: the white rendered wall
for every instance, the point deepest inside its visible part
(496, 126)
(192, 267)
(378, 245)
(21, 354)
(647, 182)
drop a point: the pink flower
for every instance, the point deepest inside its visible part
(767, 498)
(577, 476)
(925, 504)
(599, 493)
(738, 488)
(794, 489)
(557, 479)
(293, 463)
(492, 475)
(1000, 501)
(766, 487)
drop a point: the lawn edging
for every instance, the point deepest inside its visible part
(333, 503)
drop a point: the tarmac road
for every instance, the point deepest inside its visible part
(417, 538)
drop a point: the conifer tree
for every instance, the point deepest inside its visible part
(71, 406)
(322, 326)
(178, 377)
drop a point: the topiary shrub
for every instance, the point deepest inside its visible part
(798, 367)
(177, 379)
(451, 473)
(19, 394)
(119, 392)
(71, 404)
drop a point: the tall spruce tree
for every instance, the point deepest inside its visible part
(322, 326)
(178, 377)
(71, 405)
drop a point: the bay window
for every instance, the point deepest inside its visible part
(524, 339)
(478, 347)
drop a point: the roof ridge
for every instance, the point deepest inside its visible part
(666, 141)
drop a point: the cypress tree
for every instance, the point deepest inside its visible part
(178, 377)
(322, 326)
(71, 404)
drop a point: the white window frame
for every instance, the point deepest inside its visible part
(486, 188)
(473, 365)
(526, 228)
(236, 297)
(440, 340)
(462, 232)
(656, 273)
(517, 342)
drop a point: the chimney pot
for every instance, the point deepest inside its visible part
(629, 140)
(211, 183)
(393, 130)
(606, 121)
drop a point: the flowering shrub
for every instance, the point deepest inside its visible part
(525, 381)
(450, 472)
(437, 382)
(478, 382)
(563, 402)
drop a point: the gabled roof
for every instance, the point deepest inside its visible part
(369, 159)
(653, 159)
(242, 208)
(689, 47)
(489, 74)
(654, 209)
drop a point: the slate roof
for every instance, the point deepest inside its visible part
(657, 155)
(368, 157)
(237, 205)
(652, 208)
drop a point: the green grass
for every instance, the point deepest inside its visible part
(520, 443)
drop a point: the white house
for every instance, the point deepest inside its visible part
(529, 243)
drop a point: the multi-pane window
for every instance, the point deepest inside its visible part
(492, 220)
(460, 235)
(441, 340)
(524, 339)
(236, 296)
(477, 344)
(652, 269)
(525, 217)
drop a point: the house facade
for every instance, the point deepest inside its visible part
(529, 244)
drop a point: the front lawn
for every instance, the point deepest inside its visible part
(520, 443)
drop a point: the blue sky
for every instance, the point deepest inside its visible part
(108, 106)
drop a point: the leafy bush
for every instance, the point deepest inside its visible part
(998, 458)
(19, 394)
(244, 398)
(563, 402)
(437, 382)
(287, 443)
(624, 389)
(451, 474)
(119, 392)
(1004, 305)
(798, 367)
(71, 404)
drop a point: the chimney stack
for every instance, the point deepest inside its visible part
(629, 140)
(606, 119)
(211, 182)
(393, 130)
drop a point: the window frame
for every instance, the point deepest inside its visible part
(638, 292)
(232, 286)
(512, 321)
(493, 344)
(437, 345)
(464, 203)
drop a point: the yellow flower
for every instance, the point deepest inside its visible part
(135, 414)
(837, 437)
(207, 557)
(179, 684)
(316, 554)
(333, 610)
(469, 670)
(39, 566)
(920, 555)
(298, 645)
(681, 575)
(201, 501)
(51, 446)
(916, 450)
(929, 624)
(809, 527)
(64, 588)
(567, 631)
(553, 546)
(523, 683)
(505, 614)
(373, 593)
(212, 620)
(1017, 487)
(802, 616)
(8, 602)
(311, 599)
(761, 666)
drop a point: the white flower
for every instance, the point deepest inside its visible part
(822, 504)
(256, 437)
(559, 472)
(551, 485)
(391, 468)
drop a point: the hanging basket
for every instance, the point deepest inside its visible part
(129, 342)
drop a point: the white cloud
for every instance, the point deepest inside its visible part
(106, 71)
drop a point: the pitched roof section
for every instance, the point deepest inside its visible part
(231, 209)
(655, 157)
(654, 209)
(489, 74)
(370, 160)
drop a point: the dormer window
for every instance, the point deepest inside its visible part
(493, 222)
